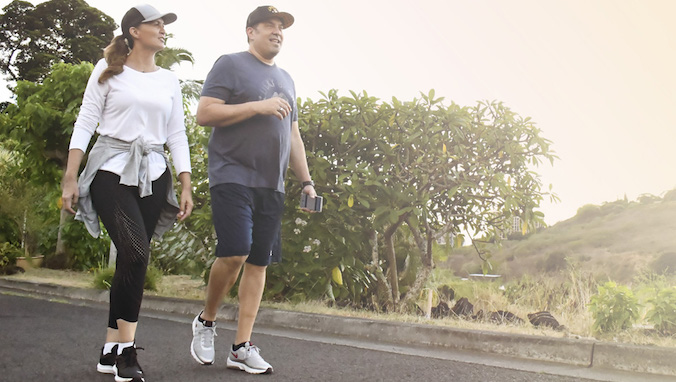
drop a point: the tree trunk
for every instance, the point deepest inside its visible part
(417, 286)
(425, 247)
(60, 246)
(392, 257)
(383, 287)
(392, 260)
(373, 240)
(24, 234)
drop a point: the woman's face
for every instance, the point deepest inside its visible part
(149, 35)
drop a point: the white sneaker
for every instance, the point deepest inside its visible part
(202, 347)
(248, 358)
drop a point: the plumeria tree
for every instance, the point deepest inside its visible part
(402, 175)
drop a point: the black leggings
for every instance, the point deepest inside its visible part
(130, 221)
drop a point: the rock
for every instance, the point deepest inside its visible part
(463, 308)
(479, 316)
(503, 317)
(441, 310)
(545, 318)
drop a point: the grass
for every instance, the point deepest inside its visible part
(484, 295)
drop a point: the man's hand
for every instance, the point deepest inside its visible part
(310, 191)
(276, 106)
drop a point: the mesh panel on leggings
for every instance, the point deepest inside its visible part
(132, 259)
(133, 241)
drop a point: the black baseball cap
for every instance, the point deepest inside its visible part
(266, 12)
(142, 14)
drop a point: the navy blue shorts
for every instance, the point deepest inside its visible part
(247, 221)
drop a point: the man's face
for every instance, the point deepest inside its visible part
(266, 37)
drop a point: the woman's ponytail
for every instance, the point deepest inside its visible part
(116, 55)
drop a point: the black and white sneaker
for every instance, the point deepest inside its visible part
(127, 368)
(107, 362)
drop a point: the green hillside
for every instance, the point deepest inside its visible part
(616, 241)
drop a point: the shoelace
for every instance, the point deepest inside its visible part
(252, 348)
(207, 335)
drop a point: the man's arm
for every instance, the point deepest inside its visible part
(215, 112)
(298, 160)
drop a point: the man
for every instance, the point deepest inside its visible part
(251, 103)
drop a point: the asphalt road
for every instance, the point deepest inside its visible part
(44, 340)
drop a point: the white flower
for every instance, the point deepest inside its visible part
(316, 242)
(300, 222)
(307, 249)
(296, 231)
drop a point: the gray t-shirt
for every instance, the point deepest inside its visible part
(254, 152)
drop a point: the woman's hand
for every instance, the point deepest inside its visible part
(186, 204)
(70, 193)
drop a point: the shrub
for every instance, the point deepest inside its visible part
(614, 308)
(648, 199)
(103, 278)
(556, 261)
(588, 212)
(663, 312)
(665, 263)
(8, 255)
(153, 278)
(670, 196)
(614, 207)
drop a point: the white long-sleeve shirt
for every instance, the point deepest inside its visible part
(133, 104)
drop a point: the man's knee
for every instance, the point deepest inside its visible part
(255, 268)
(231, 261)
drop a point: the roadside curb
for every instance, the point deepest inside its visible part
(582, 353)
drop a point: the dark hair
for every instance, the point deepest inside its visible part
(117, 51)
(116, 55)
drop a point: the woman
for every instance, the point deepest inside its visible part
(136, 107)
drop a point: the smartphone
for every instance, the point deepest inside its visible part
(310, 203)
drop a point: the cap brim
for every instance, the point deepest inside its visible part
(167, 17)
(287, 19)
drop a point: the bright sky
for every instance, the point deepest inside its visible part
(597, 76)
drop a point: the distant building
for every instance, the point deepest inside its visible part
(517, 227)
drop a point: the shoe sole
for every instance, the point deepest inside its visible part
(123, 379)
(244, 367)
(192, 350)
(120, 379)
(105, 369)
(194, 355)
